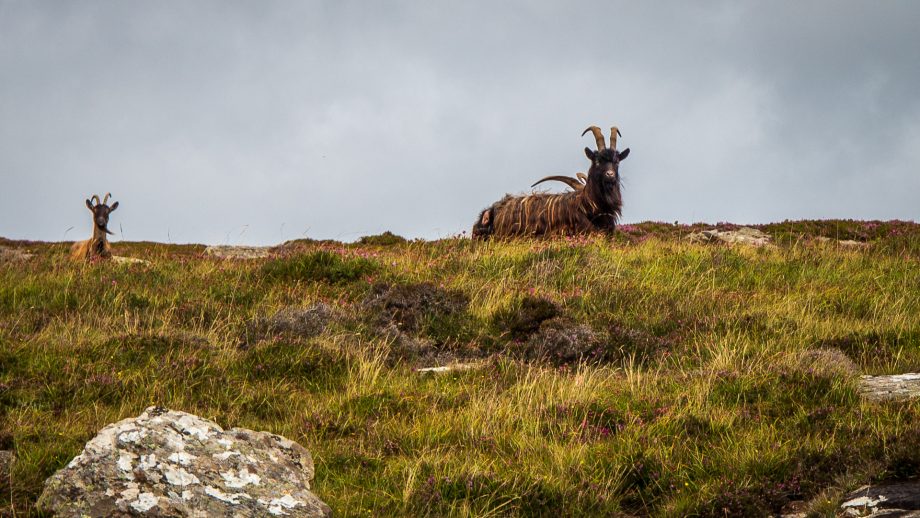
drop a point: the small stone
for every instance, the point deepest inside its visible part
(12, 255)
(843, 243)
(118, 259)
(743, 236)
(448, 368)
(6, 465)
(900, 499)
(890, 387)
(238, 252)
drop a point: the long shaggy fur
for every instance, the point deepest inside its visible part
(593, 206)
(541, 214)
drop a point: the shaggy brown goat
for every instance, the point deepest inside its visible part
(592, 206)
(98, 246)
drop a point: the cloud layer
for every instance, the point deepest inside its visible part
(258, 122)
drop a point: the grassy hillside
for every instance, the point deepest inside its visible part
(638, 376)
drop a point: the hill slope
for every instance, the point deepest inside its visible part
(643, 375)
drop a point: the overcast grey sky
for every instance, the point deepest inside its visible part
(254, 122)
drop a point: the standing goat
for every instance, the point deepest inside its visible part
(98, 246)
(593, 205)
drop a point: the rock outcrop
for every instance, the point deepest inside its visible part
(743, 235)
(900, 499)
(238, 252)
(119, 259)
(890, 387)
(843, 243)
(169, 463)
(6, 466)
(12, 255)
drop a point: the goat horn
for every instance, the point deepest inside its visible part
(106, 199)
(568, 180)
(598, 137)
(614, 131)
(95, 198)
(583, 177)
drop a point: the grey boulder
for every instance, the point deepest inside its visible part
(900, 499)
(890, 387)
(170, 463)
(743, 236)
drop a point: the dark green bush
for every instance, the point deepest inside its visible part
(386, 239)
(322, 266)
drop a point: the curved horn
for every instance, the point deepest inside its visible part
(583, 177)
(95, 199)
(598, 137)
(614, 131)
(568, 180)
(106, 199)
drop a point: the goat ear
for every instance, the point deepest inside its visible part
(113, 207)
(623, 154)
(590, 154)
(89, 205)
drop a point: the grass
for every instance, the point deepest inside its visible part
(701, 394)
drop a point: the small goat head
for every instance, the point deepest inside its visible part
(604, 174)
(101, 211)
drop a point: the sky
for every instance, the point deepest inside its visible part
(258, 122)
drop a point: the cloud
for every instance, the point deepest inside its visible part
(259, 122)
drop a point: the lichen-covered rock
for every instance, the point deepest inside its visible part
(743, 235)
(6, 467)
(843, 243)
(12, 255)
(118, 259)
(900, 499)
(455, 367)
(238, 252)
(890, 387)
(169, 463)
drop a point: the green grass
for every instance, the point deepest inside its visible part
(700, 400)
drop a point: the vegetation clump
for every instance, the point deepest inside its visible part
(410, 307)
(291, 321)
(319, 266)
(386, 239)
(523, 318)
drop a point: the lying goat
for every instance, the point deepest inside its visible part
(592, 206)
(98, 246)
